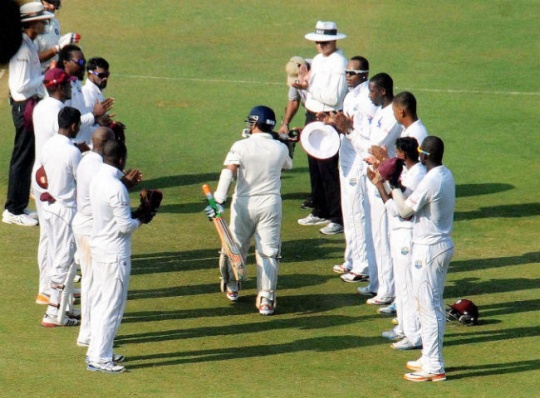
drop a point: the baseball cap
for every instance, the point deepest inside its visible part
(292, 67)
(56, 76)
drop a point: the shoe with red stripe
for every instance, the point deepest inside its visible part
(423, 376)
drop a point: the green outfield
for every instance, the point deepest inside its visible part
(184, 76)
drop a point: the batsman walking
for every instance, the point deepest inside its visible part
(256, 163)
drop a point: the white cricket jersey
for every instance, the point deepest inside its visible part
(260, 159)
(91, 94)
(60, 159)
(25, 78)
(416, 130)
(87, 118)
(45, 118)
(385, 129)
(87, 169)
(113, 224)
(327, 83)
(433, 201)
(48, 40)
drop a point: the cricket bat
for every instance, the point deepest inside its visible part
(229, 246)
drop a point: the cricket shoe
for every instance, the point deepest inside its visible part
(365, 291)
(424, 376)
(415, 365)
(233, 296)
(115, 358)
(379, 300)
(389, 310)
(405, 344)
(266, 307)
(331, 229)
(108, 367)
(50, 321)
(392, 335)
(18, 219)
(312, 220)
(74, 313)
(354, 278)
(42, 299)
(340, 269)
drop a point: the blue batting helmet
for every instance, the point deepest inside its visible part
(263, 116)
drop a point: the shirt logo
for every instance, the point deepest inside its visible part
(353, 182)
(404, 250)
(418, 264)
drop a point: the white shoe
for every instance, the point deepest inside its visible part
(19, 219)
(415, 365)
(340, 269)
(364, 290)
(266, 307)
(31, 213)
(404, 344)
(312, 220)
(50, 321)
(389, 310)
(331, 229)
(392, 335)
(380, 300)
(109, 367)
(353, 278)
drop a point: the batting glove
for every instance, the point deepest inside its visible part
(68, 38)
(211, 212)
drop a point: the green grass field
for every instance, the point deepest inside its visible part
(184, 76)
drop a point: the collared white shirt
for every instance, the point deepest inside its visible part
(87, 118)
(113, 225)
(327, 83)
(433, 201)
(48, 40)
(416, 130)
(45, 118)
(60, 159)
(25, 78)
(385, 129)
(91, 94)
(260, 159)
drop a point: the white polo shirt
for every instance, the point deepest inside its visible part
(433, 202)
(416, 130)
(260, 159)
(111, 210)
(60, 159)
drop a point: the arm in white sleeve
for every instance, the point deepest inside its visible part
(225, 180)
(404, 210)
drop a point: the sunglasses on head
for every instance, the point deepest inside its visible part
(79, 62)
(421, 151)
(101, 75)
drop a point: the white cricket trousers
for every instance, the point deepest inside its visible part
(111, 281)
(259, 217)
(57, 221)
(356, 225)
(43, 245)
(381, 242)
(85, 259)
(408, 323)
(429, 267)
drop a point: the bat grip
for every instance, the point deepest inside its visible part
(211, 200)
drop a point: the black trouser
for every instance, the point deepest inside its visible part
(22, 161)
(325, 187)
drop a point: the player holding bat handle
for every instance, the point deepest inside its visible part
(256, 163)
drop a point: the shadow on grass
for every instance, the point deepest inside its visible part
(300, 250)
(470, 287)
(180, 180)
(486, 263)
(510, 307)
(463, 190)
(474, 336)
(494, 369)
(318, 344)
(507, 211)
(301, 305)
(285, 282)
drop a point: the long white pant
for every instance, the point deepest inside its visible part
(43, 258)
(259, 217)
(111, 281)
(85, 259)
(408, 323)
(57, 221)
(356, 223)
(381, 242)
(429, 268)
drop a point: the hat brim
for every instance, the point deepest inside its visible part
(319, 37)
(44, 15)
(320, 140)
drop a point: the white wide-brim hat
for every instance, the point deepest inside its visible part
(320, 140)
(325, 31)
(34, 11)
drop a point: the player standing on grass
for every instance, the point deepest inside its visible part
(256, 162)
(432, 203)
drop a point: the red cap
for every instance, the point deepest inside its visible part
(56, 76)
(389, 168)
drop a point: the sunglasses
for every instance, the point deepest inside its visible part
(421, 151)
(79, 62)
(354, 72)
(102, 75)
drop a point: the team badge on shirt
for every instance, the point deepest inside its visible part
(418, 264)
(353, 182)
(405, 250)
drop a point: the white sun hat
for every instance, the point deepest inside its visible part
(34, 11)
(325, 31)
(320, 140)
